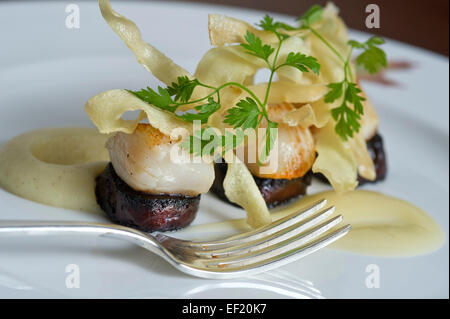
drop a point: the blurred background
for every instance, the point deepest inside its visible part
(418, 22)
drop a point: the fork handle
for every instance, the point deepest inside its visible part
(21, 228)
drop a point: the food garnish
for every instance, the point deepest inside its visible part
(372, 59)
(216, 105)
(249, 112)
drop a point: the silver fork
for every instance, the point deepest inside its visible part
(277, 244)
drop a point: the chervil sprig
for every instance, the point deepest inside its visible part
(313, 15)
(372, 58)
(182, 89)
(204, 111)
(207, 141)
(301, 62)
(255, 47)
(245, 115)
(160, 99)
(254, 109)
(347, 118)
(270, 137)
(248, 113)
(268, 24)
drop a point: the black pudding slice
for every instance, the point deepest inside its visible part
(274, 191)
(144, 211)
(377, 153)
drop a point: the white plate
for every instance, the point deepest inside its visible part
(47, 72)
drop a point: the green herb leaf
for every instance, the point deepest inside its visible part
(303, 62)
(347, 118)
(347, 121)
(313, 15)
(204, 111)
(160, 99)
(335, 92)
(268, 24)
(372, 59)
(352, 96)
(376, 41)
(245, 114)
(183, 88)
(270, 136)
(203, 142)
(355, 44)
(255, 47)
(232, 140)
(208, 142)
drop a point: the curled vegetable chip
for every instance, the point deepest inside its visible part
(290, 92)
(221, 65)
(335, 160)
(240, 188)
(333, 30)
(106, 110)
(225, 30)
(307, 115)
(152, 59)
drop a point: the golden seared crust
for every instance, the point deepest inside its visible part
(153, 136)
(295, 160)
(296, 150)
(277, 111)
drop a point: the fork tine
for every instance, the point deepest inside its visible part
(277, 261)
(276, 249)
(261, 243)
(263, 231)
(280, 258)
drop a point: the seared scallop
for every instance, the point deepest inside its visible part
(294, 152)
(152, 162)
(287, 174)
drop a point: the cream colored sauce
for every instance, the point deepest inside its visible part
(381, 225)
(58, 167)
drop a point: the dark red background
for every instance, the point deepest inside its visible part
(423, 23)
(419, 22)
